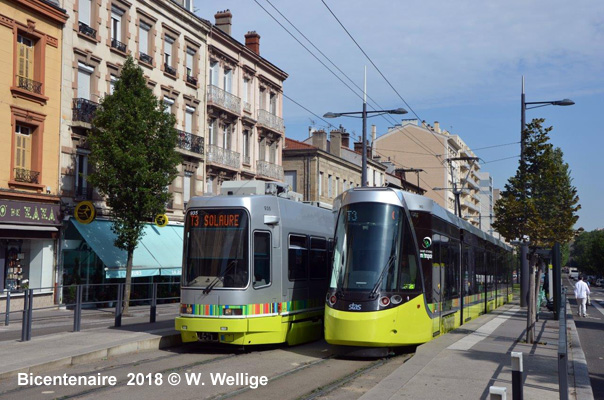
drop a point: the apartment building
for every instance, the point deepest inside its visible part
(30, 87)
(244, 109)
(445, 159)
(321, 169)
(170, 44)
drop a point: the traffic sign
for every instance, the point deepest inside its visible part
(85, 212)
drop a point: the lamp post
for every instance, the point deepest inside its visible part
(364, 115)
(524, 105)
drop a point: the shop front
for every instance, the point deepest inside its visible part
(29, 233)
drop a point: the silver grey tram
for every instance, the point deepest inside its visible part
(255, 266)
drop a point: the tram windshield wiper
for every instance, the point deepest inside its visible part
(219, 278)
(385, 270)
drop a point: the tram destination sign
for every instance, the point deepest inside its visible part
(216, 219)
(29, 212)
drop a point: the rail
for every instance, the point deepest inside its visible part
(563, 349)
(77, 296)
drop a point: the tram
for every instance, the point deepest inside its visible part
(405, 270)
(255, 266)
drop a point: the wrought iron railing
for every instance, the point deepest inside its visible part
(192, 80)
(190, 142)
(27, 176)
(271, 121)
(219, 155)
(169, 69)
(224, 99)
(146, 58)
(83, 110)
(86, 30)
(116, 44)
(83, 192)
(29, 84)
(269, 170)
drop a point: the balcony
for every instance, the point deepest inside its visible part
(86, 30)
(27, 176)
(83, 110)
(168, 69)
(224, 99)
(221, 156)
(147, 59)
(269, 170)
(83, 193)
(29, 85)
(271, 121)
(190, 142)
(116, 44)
(192, 80)
(247, 107)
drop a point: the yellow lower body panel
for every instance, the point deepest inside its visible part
(407, 324)
(293, 329)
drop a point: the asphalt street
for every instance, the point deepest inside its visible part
(591, 334)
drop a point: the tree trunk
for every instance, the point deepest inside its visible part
(128, 283)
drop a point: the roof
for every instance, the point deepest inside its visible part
(291, 144)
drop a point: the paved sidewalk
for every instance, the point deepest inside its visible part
(465, 363)
(462, 364)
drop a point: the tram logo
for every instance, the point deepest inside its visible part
(354, 307)
(427, 242)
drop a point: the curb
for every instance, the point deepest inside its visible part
(582, 384)
(160, 342)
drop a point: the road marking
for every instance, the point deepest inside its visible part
(467, 342)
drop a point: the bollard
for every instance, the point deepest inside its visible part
(118, 307)
(25, 316)
(77, 312)
(152, 315)
(517, 390)
(30, 313)
(7, 315)
(497, 393)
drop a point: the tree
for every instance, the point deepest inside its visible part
(133, 158)
(539, 203)
(588, 252)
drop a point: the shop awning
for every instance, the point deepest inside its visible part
(159, 252)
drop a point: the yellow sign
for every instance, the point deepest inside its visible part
(161, 220)
(85, 212)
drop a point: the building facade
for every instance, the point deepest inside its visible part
(30, 90)
(244, 97)
(448, 165)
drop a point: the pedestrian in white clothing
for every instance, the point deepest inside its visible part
(581, 294)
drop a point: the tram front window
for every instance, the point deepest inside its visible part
(217, 249)
(368, 256)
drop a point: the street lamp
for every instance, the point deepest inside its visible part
(524, 105)
(364, 116)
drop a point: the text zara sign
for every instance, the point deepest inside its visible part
(28, 212)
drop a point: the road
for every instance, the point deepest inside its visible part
(311, 371)
(591, 334)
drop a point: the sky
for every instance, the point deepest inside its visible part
(460, 63)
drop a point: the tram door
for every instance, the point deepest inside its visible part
(438, 279)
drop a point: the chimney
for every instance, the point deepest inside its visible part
(319, 139)
(223, 21)
(345, 139)
(436, 127)
(252, 41)
(336, 142)
(358, 147)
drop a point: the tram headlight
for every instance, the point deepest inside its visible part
(332, 300)
(384, 301)
(396, 299)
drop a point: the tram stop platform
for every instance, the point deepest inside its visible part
(463, 364)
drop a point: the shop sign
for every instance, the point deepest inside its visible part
(85, 212)
(161, 220)
(29, 212)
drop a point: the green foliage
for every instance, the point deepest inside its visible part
(588, 252)
(539, 201)
(133, 155)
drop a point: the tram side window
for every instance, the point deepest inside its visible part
(409, 266)
(262, 259)
(318, 258)
(298, 258)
